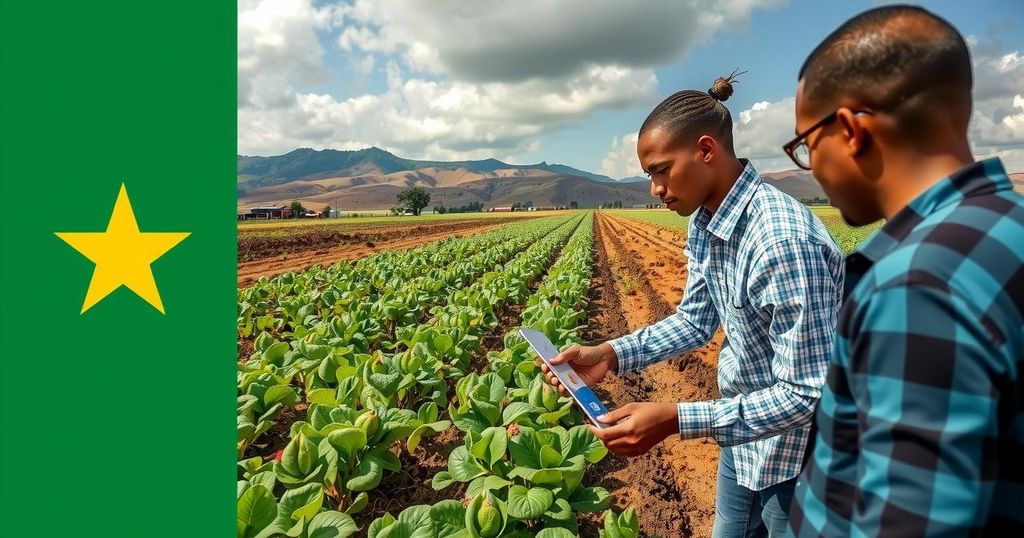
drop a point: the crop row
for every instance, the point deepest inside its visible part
(525, 450)
(361, 403)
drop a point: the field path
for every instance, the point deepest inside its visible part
(640, 274)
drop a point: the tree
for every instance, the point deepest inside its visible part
(327, 212)
(297, 209)
(414, 199)
(573, 205)
(440, 209)
(515, 206)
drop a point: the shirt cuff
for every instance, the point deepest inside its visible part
(696, 419)
(627, 351)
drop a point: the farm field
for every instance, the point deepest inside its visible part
(385, 389)
(847, 237)
(270, 251)
(374, 218)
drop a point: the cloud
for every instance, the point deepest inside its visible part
(996, 128)
(515, 41)
(760, 131)
(621, 160)
(441, 119)
(464, 80)
(997, 123)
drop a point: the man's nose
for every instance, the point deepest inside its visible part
(657, 190)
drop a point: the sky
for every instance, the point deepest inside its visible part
(565, 81)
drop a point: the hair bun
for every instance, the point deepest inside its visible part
(721, 90)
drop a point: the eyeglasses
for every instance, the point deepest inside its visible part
(799, 151)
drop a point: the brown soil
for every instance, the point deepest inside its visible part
(639, 278)
(319, 246)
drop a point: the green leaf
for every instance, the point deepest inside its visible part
(442, 480)
(322, 396)
(555, 532)
(443, 343)
(590, 499)
(282, 394)
(428, 412)
(266, 479)
(302, 503)
(514, 411)
(347, 440)
(256, 510)
(549, 457)
(529, 503)
(426, 429)
(358, 504)
(331, 524)
(368, 475)
(449, 519)
(462, 466)
(378, 524)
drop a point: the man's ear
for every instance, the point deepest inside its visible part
(856, 136)
(707, 147)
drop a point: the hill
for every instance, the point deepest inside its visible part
(372, 178)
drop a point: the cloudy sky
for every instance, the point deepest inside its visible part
(565, 82)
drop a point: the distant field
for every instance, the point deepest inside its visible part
(381, 218)
(846, 236)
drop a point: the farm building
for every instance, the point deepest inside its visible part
(266, 213)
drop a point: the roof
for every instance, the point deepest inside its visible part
(267, 208)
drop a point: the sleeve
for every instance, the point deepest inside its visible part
(927, 377)
(798, 283)
(690, 327)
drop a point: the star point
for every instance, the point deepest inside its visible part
(122, 255)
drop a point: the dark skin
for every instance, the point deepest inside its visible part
(868, 166)
(685, 175)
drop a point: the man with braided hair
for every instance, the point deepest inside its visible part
(921, 423)
(761, 266)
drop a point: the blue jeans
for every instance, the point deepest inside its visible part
(743, 513)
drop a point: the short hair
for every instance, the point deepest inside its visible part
(692, 113)
(886, 57)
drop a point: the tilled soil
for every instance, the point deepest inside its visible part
(640, 274)
(261, 256)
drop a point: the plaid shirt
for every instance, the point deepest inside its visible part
(921, 424)
(767, 269)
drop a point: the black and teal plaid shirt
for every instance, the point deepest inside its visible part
(921, 424)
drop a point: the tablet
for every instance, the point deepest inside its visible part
(585, 398)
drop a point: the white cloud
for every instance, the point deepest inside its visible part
(760, 131)
(464, 79)
(514, 41)
(996, 128)
(621, 160)
(997, 123)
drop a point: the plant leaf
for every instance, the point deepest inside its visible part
(529, 503)
(256, 510)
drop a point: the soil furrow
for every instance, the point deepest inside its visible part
(672, 486)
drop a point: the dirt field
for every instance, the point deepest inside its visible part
(296, 249)
(640, 273)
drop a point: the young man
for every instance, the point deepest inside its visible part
(921, 424)
(766, 269)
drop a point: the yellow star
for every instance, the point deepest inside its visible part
(122, 255)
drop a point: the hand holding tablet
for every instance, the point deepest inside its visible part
(567, 376)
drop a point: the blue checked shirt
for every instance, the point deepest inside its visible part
(921, 424)
(766, 269)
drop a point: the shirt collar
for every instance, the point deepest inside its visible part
(976, 179)
(722, 222)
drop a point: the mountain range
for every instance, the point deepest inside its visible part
(371, 178)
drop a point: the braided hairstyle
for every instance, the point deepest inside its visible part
(688, 114)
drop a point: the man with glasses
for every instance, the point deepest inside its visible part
(763, 267)
(921, 423)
